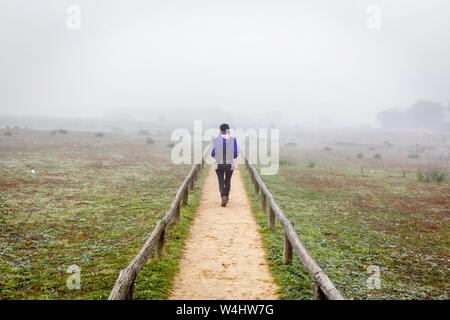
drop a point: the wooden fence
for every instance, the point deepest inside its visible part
(323, 287)
(124, 287)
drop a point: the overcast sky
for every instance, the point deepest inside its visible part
(300, 60)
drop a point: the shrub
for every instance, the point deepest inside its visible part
(171, 145)
(8, 133)
(413, 156)
(285, 162)
(143, 132)
(290, 144)
(404, 173)
(327, 149)
(377, 156)
(99, 134)
(359, 156)
(150, 141)
(97, 165)
(53, 132)
(432, 173)
(388, 144)
(62, 131)
(311, 163)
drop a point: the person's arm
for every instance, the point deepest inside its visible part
(213, 152)
(236, 150)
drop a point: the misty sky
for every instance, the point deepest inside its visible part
(296, 60)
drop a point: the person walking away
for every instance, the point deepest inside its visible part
(224, 150)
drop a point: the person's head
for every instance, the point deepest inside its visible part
(224, 128)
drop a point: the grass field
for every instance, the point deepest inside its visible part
(87, 199)
(353, 213)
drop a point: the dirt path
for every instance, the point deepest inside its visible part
(223, 257)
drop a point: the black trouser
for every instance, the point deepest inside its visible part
(224, 174)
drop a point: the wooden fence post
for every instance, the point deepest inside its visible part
(130, 293)
(256, 187)
(263, 202)
(191, 184)
(271, 218)
(318, 293)
(177, 213)
(186, 196)
(287, 252)
(195, 172)
(159, 246)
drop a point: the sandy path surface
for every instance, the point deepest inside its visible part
(223, 256)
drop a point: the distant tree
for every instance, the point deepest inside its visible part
(390, 118)
(423, 114)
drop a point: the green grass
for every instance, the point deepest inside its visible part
(90, 202)
(155, 280)
(348, 222)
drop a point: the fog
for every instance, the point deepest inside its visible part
(307, 63)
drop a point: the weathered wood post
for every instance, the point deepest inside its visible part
(256, 186)
(191, 183)
(318, 293)
(160, 244)
(263, 202)
(186, 196)
(195, 172)
(130, 293)
(271, 218)
(287, 252)
(177, 213)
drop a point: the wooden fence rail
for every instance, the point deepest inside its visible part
(124, 286)
(323, 287)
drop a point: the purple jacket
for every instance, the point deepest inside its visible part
(225, 150)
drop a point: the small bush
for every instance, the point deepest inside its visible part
(290, 144)
(388, 144)
(97, 165)
(404, 173)
(371, 148)
(413, 156)
(143, 132)
(377, 156)
(433, 173)
(8, 133)
(150, 141)
(62, 131)
(285, 162)
(99, 134)
(359, 156)
(53, 132)
(327, 149)
(311, 163)
(171, 145)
